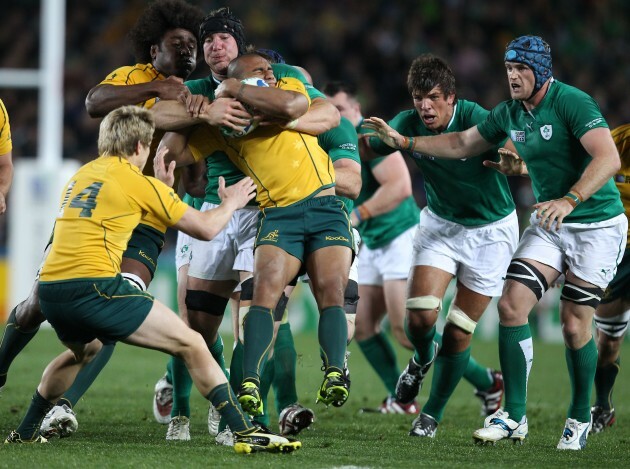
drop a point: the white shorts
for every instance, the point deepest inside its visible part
(478, 256)
(183, 251)
(354, 268)
(390, 262)
(230, 252)
(591, 251)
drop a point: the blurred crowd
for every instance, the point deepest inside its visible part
(371, 43)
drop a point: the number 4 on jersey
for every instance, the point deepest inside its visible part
(86, 199)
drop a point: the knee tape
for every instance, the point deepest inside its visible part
(424, 302)
(460, 319)
(278, 312)
(351, 298)
(247, 289)
(587, 296)
(525, 273)
(198, 300)
(615, 326)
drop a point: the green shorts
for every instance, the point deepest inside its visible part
(305, 227)
(108, 309)
(145, 245)
(619, 287)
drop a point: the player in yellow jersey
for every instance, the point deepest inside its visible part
(6, 162)
(87, 301)
(613, 313)
(295, 180)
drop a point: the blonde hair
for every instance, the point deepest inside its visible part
(123, 128)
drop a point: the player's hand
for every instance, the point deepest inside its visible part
(227, 112)
(227, 88)
(164, 173)
(237, 195)
(196, 104)
(172, 88)
(3, 204)
(553, 211)
(380, 129)
(509, 163)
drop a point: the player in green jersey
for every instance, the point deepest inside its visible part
(560, 134)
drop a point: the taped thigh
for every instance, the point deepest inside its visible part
(424, 302)
(351, 298)
(525, 273)
(615, 326)
(587, 296)
(460, 319)
(198, 300)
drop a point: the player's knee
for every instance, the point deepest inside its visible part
(509, 310)
(527, 274)
(612, 328)
(427, 302)
(419, 322)
(457, 317)
(247, 289)
(351, 298)
(199, 300)
(582, 296)
(281, 306)
(28, 315)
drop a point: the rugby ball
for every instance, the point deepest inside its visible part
(232, 133)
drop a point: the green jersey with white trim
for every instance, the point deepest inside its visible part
(548, 140)
(462, 191)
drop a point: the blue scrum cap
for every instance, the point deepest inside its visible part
(274, 56)
(534, 52)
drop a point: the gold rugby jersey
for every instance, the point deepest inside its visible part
(100, 206)
(5, 131)
(287, 166)
(621, 136)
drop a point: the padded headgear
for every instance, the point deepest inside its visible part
(223, 21)
(275, 56)
(533, 52)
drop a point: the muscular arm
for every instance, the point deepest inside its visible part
(395, 186)
(605, 163)
(321, 117)
(194, 178)
(347, 178)
(6, 177)
(105, 98)
(177, 144)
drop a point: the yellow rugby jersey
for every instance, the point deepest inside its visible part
(100, 207)
(5, 131)
(287, 166)
(621, 136)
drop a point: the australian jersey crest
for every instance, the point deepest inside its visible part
(546, 131)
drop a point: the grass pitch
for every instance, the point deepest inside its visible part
(117, 429)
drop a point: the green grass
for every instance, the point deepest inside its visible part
(116, 426)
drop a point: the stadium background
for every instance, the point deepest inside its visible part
(370, 43)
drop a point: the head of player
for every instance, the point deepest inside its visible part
(165, 35)
(252, 65)
(222, 36)
(126, 132)
(528, 65)
(343, 96)
(431, 84)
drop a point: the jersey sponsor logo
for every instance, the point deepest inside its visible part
(517, 136)
(348, 146)
(419, 156)
(337, 238)
(141, 253)
(594, 122)
(546, 131)
(271, 236)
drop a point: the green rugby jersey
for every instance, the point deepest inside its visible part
(462, 191)
(218, 164)
(195, 202)
(548, 140)
(341, 142)
(382, 229)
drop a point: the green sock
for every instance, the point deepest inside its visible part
(182, 386)
(582, 364)
(88, 374)
(447, 372)
(423, 345)
(516, 354)
(29, 427)
(258, 331)
(265, 385)
(605, 377)
(380, 354)
(223, 398)
(285, 368)
(169, 372)
(333, 336)
(13, 342)
(217, 352)
(477, 375)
